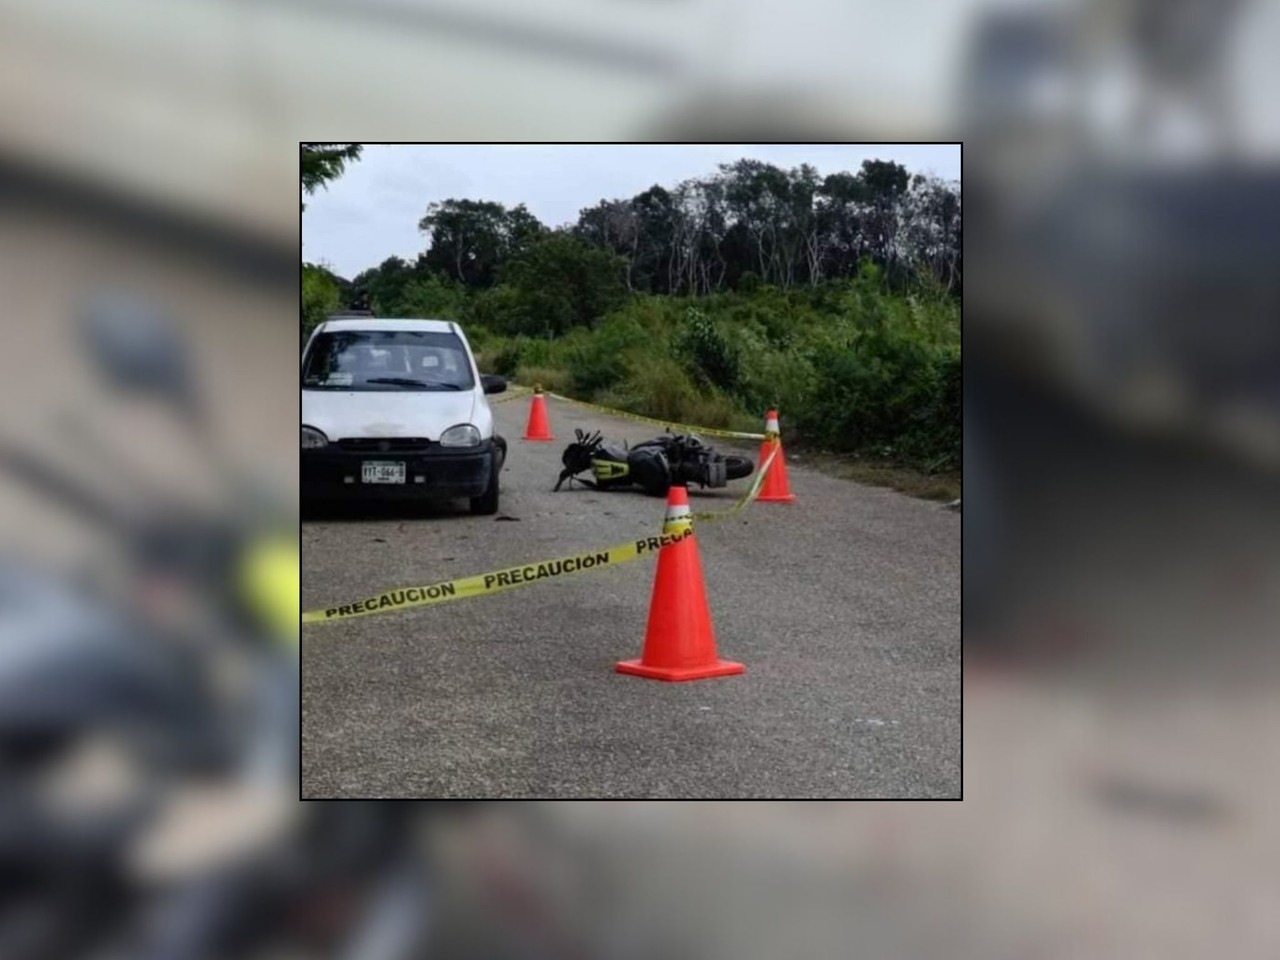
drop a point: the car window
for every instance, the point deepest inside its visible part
(387, 360)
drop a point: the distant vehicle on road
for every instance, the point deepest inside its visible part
(397, 409)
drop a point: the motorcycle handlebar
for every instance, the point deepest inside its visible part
(58, 487)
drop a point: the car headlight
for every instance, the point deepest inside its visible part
(463, 435)
(313, 439)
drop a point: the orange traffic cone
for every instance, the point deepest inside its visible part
(538, 428)
(679, 643)
(776, 488)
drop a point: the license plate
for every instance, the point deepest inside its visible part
(382, 471)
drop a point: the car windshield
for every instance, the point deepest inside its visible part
(387, 360)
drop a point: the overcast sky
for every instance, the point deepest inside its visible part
(372, 212)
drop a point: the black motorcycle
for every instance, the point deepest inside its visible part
(654, 465)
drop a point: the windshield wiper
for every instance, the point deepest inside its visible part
(399, 381)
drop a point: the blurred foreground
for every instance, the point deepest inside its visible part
(1122, 426)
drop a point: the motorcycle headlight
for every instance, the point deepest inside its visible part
(313, 439)
(462, 435)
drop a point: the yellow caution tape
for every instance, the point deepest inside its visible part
(444, 591)
(752, 492)
(669, 424)
(391, 601)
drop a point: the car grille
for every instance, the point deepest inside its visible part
(384, 444)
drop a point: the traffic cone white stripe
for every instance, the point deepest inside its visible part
(678, 520)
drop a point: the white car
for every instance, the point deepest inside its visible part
(397, 408)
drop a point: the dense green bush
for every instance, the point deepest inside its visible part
(504, 358)
(500, 309)
(600, 359)
(562, 283)
(661, 387)
(319, 297)
(853, 366)
(432, 298)
(553, 379)
(706, 353)
(889, 395)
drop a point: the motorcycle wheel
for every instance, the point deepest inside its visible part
(735, 468)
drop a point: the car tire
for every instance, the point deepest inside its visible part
(487, 503)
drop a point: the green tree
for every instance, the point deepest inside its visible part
(706, 354)
(563, 283)
(613, 225)
(884, 186)
(433, 297)
(783, 228)
(472, 239)
(319, 297)
(385, 285)
(656, 217)
(324, 162)
(840, 199)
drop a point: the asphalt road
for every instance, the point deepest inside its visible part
(844, 606)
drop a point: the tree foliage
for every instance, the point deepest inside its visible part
(472, 239)
(707, 354)
(753, 222)
(750, 224)
(835, 297)
(561, 283)
(385, 284)
(320, 296)
(324, 162)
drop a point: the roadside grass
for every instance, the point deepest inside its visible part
(867, 383)
(687, 406)
(944, 486)
(550, 378)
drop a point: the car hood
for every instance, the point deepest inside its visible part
(340, 414)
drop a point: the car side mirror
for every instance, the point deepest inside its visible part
(493, 383)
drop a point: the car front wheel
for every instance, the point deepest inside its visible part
(487, 503)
